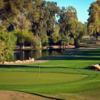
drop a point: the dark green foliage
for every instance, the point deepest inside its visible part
(70, 26)
(94, 19)
(39, 17)
(35, 22)
(7, 46)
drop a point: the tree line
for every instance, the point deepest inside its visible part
(39, 23)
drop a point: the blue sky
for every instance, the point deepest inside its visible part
(80, 5)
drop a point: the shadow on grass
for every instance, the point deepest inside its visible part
(14, 66)
(44, 96)
(36, 67)
(83, 52)
(71, 57)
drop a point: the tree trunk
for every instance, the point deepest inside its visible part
(22, 50)
(96, 37)
(31, 52)
(76, 43)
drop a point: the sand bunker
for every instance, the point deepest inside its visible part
(12, 95)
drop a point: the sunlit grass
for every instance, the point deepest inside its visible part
(64, 78)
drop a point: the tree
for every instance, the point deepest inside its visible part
(43, 19)
(29, 19)
(70, 26)
(7, 43)
(37, 43)
(55, 35)
(94, 19)
(22, 27)
(44, 39)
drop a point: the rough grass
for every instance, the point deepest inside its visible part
(64, 76)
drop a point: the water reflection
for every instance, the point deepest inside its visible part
(26, 54)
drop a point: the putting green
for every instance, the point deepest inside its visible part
(31, 78)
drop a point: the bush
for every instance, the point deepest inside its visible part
(7, 46)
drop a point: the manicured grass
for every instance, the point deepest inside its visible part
(62, 76)
(30, 78)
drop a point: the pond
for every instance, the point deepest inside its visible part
(26, 54)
